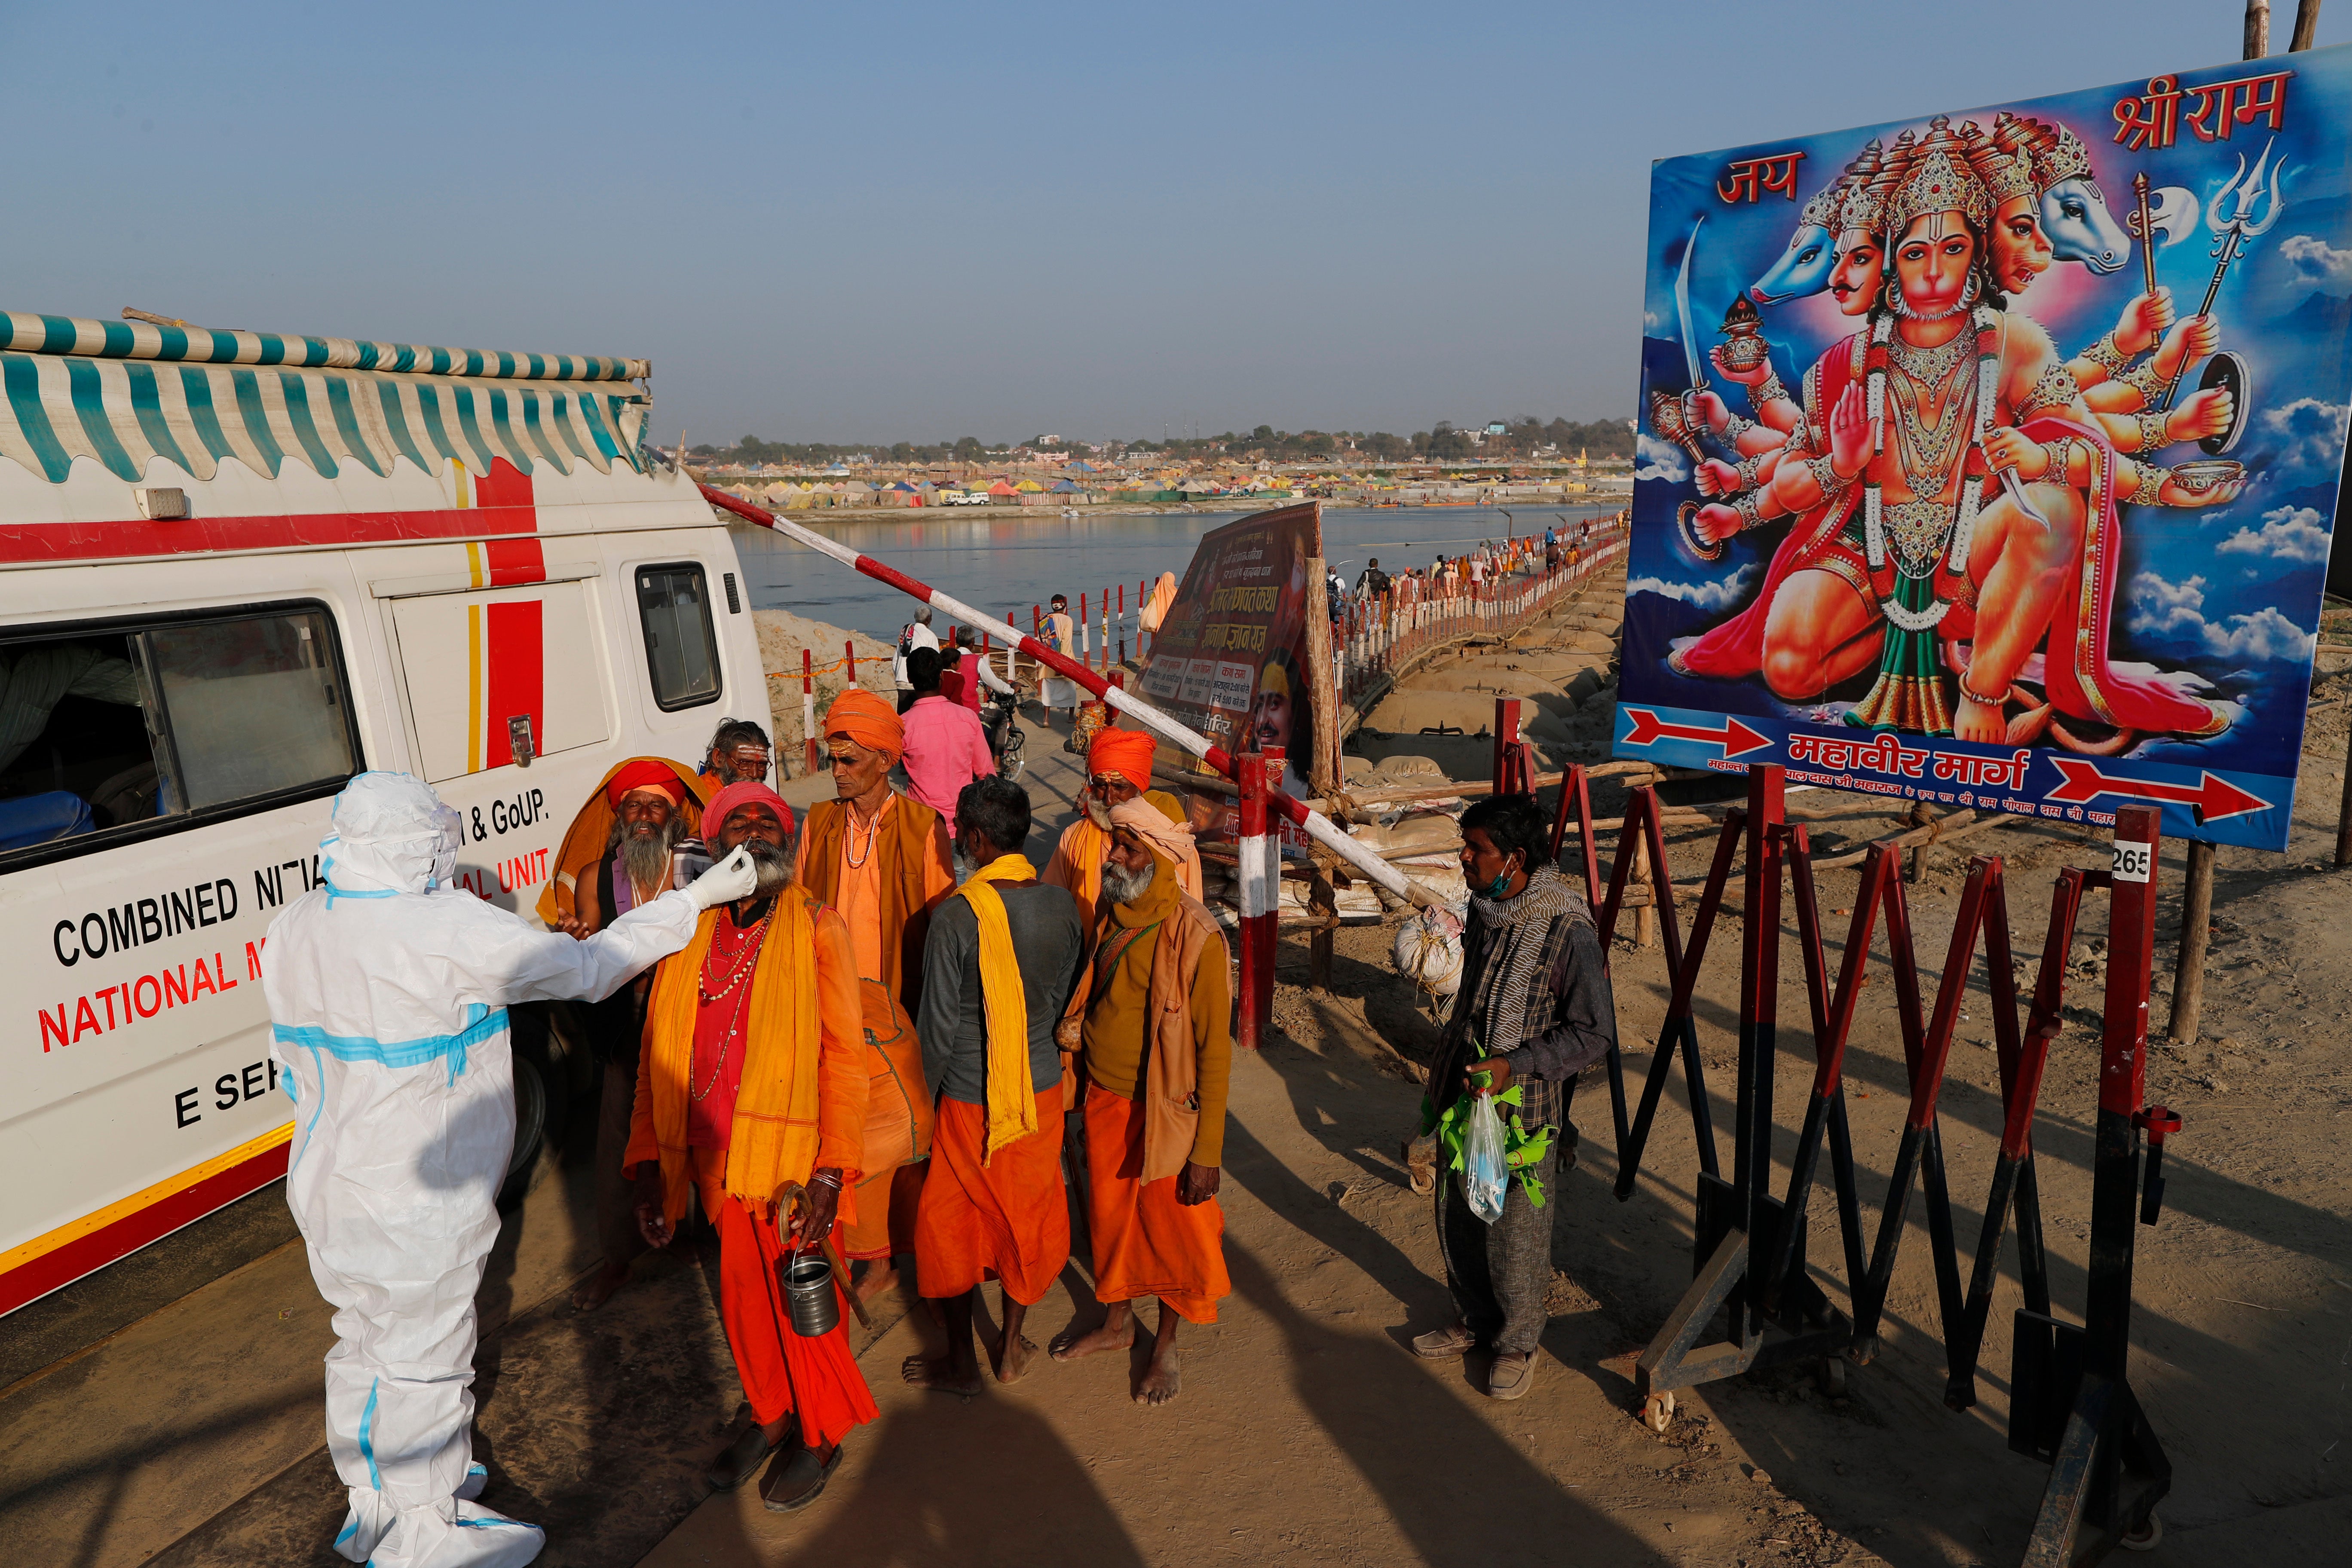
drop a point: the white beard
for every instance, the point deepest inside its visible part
(1123, 887)
(645, 860)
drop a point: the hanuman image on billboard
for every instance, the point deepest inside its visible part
(2036, 482)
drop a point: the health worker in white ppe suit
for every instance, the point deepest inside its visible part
(388, 989)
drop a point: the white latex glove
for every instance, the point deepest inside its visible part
(732, 879)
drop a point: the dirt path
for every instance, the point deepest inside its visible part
(1306, 1432)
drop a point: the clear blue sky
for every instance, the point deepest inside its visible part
(918, 221)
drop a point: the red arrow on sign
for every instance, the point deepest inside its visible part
(1734, 737)
(2212, 797)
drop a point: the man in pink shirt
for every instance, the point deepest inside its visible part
(946, 747)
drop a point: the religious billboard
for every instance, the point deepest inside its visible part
(1990, 457)
(1230, 657)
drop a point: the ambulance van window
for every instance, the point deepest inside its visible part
(122, 730)
(681, 645)
(255, 706)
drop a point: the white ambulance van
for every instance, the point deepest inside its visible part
(237, 568)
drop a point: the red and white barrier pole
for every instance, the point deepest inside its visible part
(1085, 630)
(1261, 895)
(1317, 825)
(809, 745)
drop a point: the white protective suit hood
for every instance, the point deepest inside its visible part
(391, 834)
(388, 993)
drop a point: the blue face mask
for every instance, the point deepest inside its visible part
(1496, 888)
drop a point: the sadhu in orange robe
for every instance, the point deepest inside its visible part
(760, 1085)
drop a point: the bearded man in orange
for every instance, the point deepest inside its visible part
(754, 1083)
(882, 860)
(1157, 1057)
(1118, 769)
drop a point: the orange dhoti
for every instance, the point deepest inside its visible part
(1146, 1243)
(1009, 1217)
(782, 1370)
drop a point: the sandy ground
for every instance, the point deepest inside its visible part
(1305, 1430)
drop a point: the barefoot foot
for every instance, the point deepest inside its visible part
(1072, 1345)
(881, 1274)
(1163, 1379)
(1014, 1354)
(597, 1289)
(942, 1374)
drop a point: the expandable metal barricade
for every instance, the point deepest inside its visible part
(2072, 1405)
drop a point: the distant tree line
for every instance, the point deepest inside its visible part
(1522, 438)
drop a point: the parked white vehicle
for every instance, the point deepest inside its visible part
(235, 569)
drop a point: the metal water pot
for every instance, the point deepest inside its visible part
(809, 1294)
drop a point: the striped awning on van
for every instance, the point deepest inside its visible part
(31, 333)
(124, 412)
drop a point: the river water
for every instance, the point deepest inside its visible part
(1010, 563)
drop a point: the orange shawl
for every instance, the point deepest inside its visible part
(802, 1103)
(587, 839)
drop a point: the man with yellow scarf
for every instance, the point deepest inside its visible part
(999, 964)
(754, 1079)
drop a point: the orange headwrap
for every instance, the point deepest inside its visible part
(1127, 752)
(868, 720)
(644, 773)
(746, 792)
(1169, 838)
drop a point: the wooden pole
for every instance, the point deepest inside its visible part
(2189, 963)
(1322, 770)
(2344, 818)
(2258, 28)
(1325, 902)
(2307, 23)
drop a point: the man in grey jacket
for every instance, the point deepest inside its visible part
(993, 1201)
(1534, 1010)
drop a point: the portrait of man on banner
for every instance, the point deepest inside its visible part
(1230, 657)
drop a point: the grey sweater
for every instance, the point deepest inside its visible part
(1048, 941)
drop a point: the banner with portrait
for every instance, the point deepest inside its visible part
(1230, 658)
(1992, 458)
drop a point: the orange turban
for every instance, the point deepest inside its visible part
(644, 773)
(868, 720)
(1127, 752)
